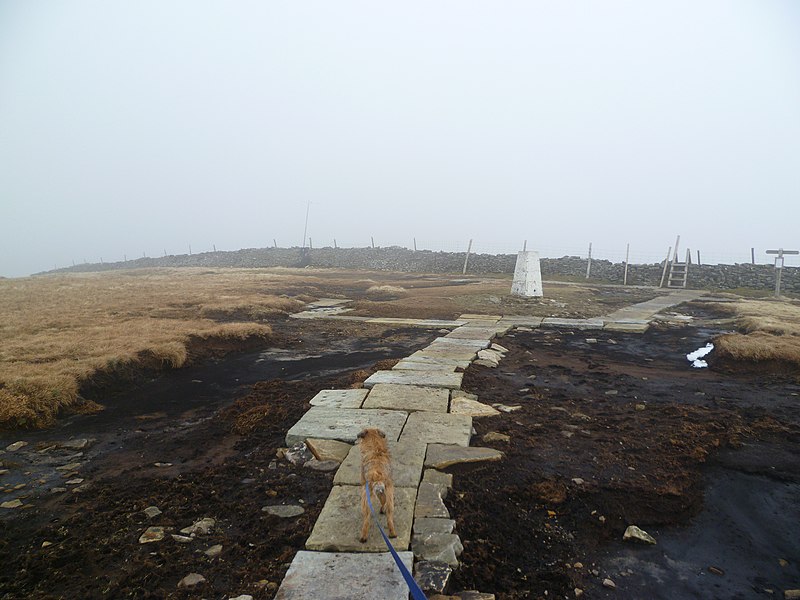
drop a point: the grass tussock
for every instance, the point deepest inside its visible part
(385, 292)
(59, 331)
(769, 331)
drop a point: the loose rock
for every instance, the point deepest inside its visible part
(201, 527)
(214, 551)
(284, 511)
(609, 584)
(152, 534)
(152, 511)
(494, 436)
(191, 580)
(11, 504)
(322, 465)
(299, 454)
(639, 535)
(16, 446)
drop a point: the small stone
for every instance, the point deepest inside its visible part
(191, 580)
(578, 481)
(567, 434)
(243, 597)
(152, 534)
(506, 409)
(68, 467)
(3, 471)
(611, 393)
(640, 407)
(152, 511)
(214, 551)
(81, 488)
(523, 390)
(76, 444)
(322, 465)
(58, 490)
(181, 539)
(76, 481)
(716, 571)
(591, 340)
(16, 446)
(578, 592)
(485, 363)
(45, 544)
(16, 503)
(791, 594)
(602, 519)
(202, 527)
(162, 464)
(299, 454)
(498, 348)
(639, 535)
(783, 562)
(609, 584)
(19, 486)
(578, 565)
(494, 436)
(284, 511)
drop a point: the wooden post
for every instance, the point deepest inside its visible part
(415, 244)
(677, 241)
(525, 245)
(664, 272)
(688, 257)
(274, 243)
(698, 258)
(373, 242)
(627, 256)
(334, 243)
(466, 259)
(589, 262)
(779, 266)
(752, 256)
(214, 246)
(310, 245)
(190, 249)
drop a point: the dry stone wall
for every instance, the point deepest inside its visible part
(425, 261)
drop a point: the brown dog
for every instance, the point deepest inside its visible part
(377, 471)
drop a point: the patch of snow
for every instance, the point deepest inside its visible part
(694, 357)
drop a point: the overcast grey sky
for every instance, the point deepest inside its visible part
(130, 127)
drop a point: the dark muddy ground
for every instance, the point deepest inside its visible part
(218, 427)
(609, 433)
(623, 431)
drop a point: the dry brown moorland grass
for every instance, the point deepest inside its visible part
(770, 331)
(58, 331)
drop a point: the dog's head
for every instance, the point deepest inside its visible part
(371, 432)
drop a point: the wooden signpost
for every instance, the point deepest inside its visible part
(779, 266)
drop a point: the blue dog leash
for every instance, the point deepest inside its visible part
(416, 592)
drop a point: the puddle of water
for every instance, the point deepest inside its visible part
(696, 356)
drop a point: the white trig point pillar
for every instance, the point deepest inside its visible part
(527, 276)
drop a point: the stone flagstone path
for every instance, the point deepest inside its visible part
(413, 404)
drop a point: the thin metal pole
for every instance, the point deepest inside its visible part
(310, 245)
(274, 243)
(466, 259)
(415, 244)
(627, 256)
(525, 245)
(589, 262)
(190, 249)
(214, 246)
(666, 263)
(778, 272)
(698, 258)
(752, 256)
(334, 243)
(372, 239)
(305, 228)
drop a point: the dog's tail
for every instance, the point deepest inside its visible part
(378, 487)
